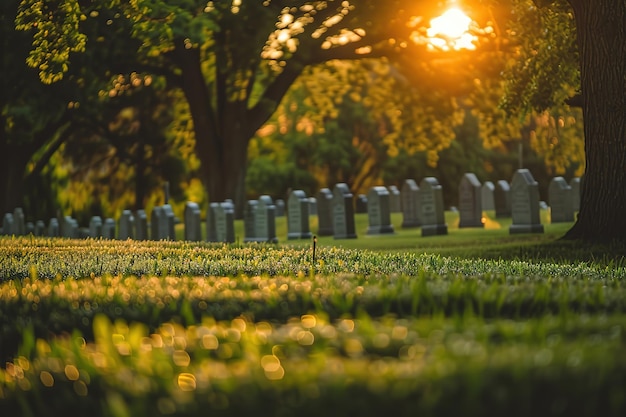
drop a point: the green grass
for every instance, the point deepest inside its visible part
(474, 323)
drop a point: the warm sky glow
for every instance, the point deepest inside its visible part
(451, 31)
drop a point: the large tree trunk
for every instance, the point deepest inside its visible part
(12, 168)
(601, 26)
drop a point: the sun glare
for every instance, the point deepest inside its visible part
(450, 31)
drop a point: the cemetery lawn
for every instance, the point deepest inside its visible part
(474, 323)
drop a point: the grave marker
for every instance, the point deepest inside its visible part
(127, 225)
(108, 229)
(193, 227)
(502, 199)
(343, 212)
(487, 197)
(53, 228)
(70, 227)
(265, 220)
(8, 224)
(379, 211)
(470, 202)
(19, 228)
(298, 216)
(249, 220)
(575, 184)
(525, 204)
(224, 222)
(324, 212)
(162, 223)
(560, 199)
(395, 199)
(410, 204)
(431, 203)
(40, 228)
(141, 225)
(95, 227)
(361, 204)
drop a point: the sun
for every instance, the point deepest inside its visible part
(451, 31)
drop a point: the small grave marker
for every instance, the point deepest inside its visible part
(410, 204)
(343, 212)
(298, 216)
(470, 202)
(431, 203)
(525, 204)
(379, 211)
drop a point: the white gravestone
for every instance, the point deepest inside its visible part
(431, 202)
(343, 212)
(560, 201)
(525, 204)
(470, 202)
(410, 205)
(379, 211)
(298, 216)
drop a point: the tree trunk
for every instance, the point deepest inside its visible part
(601, 26)
(12, 170)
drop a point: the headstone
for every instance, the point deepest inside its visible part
(141, 225)
(280, 207)
(312, 206)
(560, 199)
(127, 225)
(502, 199)
(343, 212)
(431, 203)
(162, 223)
(410, 205)
(379, 211)
(361, 204)
(108, 228)
(575, 184)
(487, 197)
(40, 228)
(30, 228)
(18, 218)
(395, 199)
(95, 227)
(298, 216)
(53, 228)
(525, 204)
(222, 222)
(265, 220)
(70, 227)
(193, 226)
(8, 224)
(324, 212)
(249, 221)
(470, 202)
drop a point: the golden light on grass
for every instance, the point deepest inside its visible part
(451, 31)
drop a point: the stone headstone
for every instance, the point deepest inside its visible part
(324, 212)
(8, 224)
(249, 221)
(141, 225)
(298, 216)
(95, 227)
(53, 228)
(410, 204)
(487, 197)
(280, 207)
(470, 202)
(361, 204)
(108, 228)
(30, 228)
(431, 203)
(162, 223)
(312, 206)
(379, 211)
(575, 184)
(502, 199)
(127, 225)
(265, 220)
(395, 199)
(560, 201)
(20, 225)
(40, 228)
(193, 226)
(343, 212)
(525, 204)
(221, 224)
(70, 227)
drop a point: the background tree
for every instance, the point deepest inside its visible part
(233, 60)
